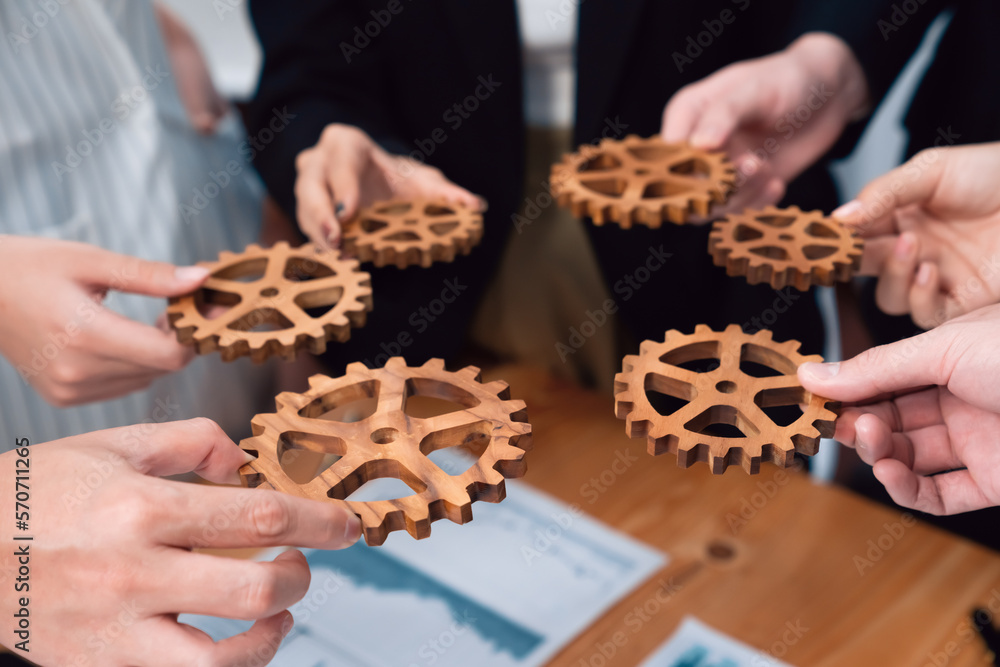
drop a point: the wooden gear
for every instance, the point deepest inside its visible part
(725, 395)
(390, 443)
(291, 281)
(411, 232)
(644, 181)
(785, 246)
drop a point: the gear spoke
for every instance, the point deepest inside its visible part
(389, 443)
(620, 194)
(413, 243)
(726, 395)
(794, 266)
(274, 295)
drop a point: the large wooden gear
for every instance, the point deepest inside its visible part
(785, 246)
(409, 232)
(389, 442)
(723, 395)
(272, 303)
(641, 181)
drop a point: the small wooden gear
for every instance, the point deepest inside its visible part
(412, 232)
(641, 181)
(278, 300)
(785, 246)
(731, 394)
(389, 442)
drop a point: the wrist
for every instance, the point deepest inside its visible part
(830, 62)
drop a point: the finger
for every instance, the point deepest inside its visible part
(194, 583)
(950, 493)
(680, 115)
(877, 252)
(459, 195)
(874, 441)
(740, 106)
(171, 448)
(910, 183)
(113, 336)
(231, 518)
(892, 294)
(912, 362)
(345, 166)
(313, 201)
(928, 303)
(191, 646)
(94, 391)
(104, 269)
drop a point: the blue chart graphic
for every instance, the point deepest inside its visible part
(508, 589)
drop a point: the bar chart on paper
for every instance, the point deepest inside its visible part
(507, 590)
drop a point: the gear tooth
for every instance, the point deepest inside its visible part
(317, 381)
(703, 329)
(287, 400)
(253, 247)
(395, 363)
(434, 364)
(498, 387)
(356, 367)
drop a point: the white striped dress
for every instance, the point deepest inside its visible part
(95, 147)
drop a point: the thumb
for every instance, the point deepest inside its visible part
(872, 213)
(906, 364)
(173, 448)
(108, 270)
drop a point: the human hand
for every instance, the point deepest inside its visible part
(111, 563)
(55, 331)
(935, 448)
(347, 170)
(933, 233)
(204, 105)
(774, 116)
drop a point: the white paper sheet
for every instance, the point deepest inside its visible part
(508, 589)
(695, 644)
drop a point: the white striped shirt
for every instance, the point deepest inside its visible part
(95, 147)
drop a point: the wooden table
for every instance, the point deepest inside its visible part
(814, 574)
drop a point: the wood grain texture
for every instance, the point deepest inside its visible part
(380, 436)
(265, 296)
(785, 246)
(639, 180)
(721, 393)
(412, 232)
(861, 584)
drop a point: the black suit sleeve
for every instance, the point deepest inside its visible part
(883, 34)
(313, 73)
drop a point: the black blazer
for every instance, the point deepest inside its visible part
(397, 68)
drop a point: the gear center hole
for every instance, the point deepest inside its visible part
(269, 291)
(726, 387)
(786, 237)
(384, 436)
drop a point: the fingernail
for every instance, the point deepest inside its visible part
(248, 458)
(287, 625)
(352, 529)
(924, 274)
(191, 274)
(338, 208)
(848, 210)
(904, 246)
(749, 166)
(483, 204)
(821, 372)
